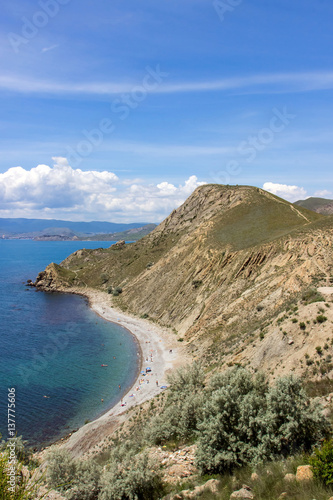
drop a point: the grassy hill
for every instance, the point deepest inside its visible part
(319, 205)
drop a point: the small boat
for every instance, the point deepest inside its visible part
(104, 365)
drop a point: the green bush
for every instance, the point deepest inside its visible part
(322, 463)
(321, 318)
(312, 295)
(178, 420)
(78, 480)
(25, 487)
(131, 477)
(117, 291)
(245, 421)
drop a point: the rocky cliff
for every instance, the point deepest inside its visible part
(222, 270)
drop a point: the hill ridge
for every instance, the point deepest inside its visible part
(219, 269)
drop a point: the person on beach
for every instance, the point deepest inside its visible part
(157, 382)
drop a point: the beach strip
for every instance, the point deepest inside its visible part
(160, 354)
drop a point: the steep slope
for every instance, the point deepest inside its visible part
(218, 270)
(319, 205)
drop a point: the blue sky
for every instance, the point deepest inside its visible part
(118, 110)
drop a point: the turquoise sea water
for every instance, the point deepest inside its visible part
(54, 345)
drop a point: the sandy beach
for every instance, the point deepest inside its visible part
(159, 351)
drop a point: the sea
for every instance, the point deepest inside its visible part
(52, 348)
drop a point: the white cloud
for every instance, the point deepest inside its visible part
(290, 193)
(323, 194)
(59, 187)
(52, 47)
(281, 82)
(63, 192)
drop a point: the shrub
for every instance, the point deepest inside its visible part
(117, 291)
(319, 350)
(245, 421)
(22, 453)
(321, 318)
(322, 463)
(61, 469)
(26, 486)
(302, 325)
(312, 295)
(110, 289)
(85, 485)
(132, 477)
(77, 479)
(178, 420)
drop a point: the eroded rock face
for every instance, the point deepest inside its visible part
(54, 278)
(47, 280)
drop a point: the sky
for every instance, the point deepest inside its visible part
(113, 110)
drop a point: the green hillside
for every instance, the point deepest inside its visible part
(320, 205)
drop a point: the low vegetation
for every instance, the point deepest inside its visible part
(322, 463)
(17, 478)
(237, 420)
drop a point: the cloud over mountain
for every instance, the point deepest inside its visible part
(290, 193)
(46, 191)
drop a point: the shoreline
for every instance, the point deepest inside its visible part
(158, 350)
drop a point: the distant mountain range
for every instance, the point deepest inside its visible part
(53, 229)
(319, 205)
